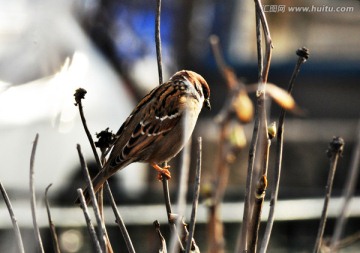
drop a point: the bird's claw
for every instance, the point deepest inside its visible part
(163, 172)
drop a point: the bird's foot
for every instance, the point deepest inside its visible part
(163, 172)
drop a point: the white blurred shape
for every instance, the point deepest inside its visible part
(46, 97)
(31, 46)
(71, 240)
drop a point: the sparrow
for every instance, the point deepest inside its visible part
(159, 126)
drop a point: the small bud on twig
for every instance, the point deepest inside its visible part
(261, 187)
(272, 130)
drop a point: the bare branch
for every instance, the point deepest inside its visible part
(195, 197)
(158, 40)
(79, 95)
(90, 226)
(182, 191)
(100, 228)
(260, 128)
(238, 102)
(160, 73)
(221, 172)
(19, 241)
(268, 42)
(169, 212)
(54, 237)
(334, 152)
(119, 220)
(350, 185)
(33, 197)
(303, 56)
(343, 243)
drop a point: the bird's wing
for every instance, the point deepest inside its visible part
(155, 115)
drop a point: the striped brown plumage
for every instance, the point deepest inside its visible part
(159, 126)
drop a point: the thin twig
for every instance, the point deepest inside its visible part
(158, 40)
(221, 172)
(260, 124)
(227, 73)
(334, 152)
(260, 57)
(195, 197)
(169, 212)
(261, 187)
(347, 241)
(350, 185)
(303, 56)
(160, 73)
(79, 95)
(54, 237)
(100, 227)
(242, 244)
(242, 239)
(33, 197)
(19, 241)
(90, 226)
(220, 62)
(120, 221)
(268, 41)
(223, 118)
(182, 191)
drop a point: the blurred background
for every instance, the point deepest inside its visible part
(50, 48)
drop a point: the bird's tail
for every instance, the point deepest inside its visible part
(97, 183)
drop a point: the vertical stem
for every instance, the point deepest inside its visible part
(260, 124)
(257, 208)
(242, 241)
(334, 151)
(268, 43)
(252, 150)
(168, 208)
(54, 237)
(196, 197)
(350, 185)
(261, 187)
(79, 95)
(100, 224)
(221, 174)
(303, 56)
(259, 46)
(90, 226)
(33, 197)
(183, 188)
(160, 73)
(119, 220)
(19, 241)
(158, 40)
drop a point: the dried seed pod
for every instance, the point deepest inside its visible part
(243, 107)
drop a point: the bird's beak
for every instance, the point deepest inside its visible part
(207, 104)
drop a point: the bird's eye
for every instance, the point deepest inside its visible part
(198, 89)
